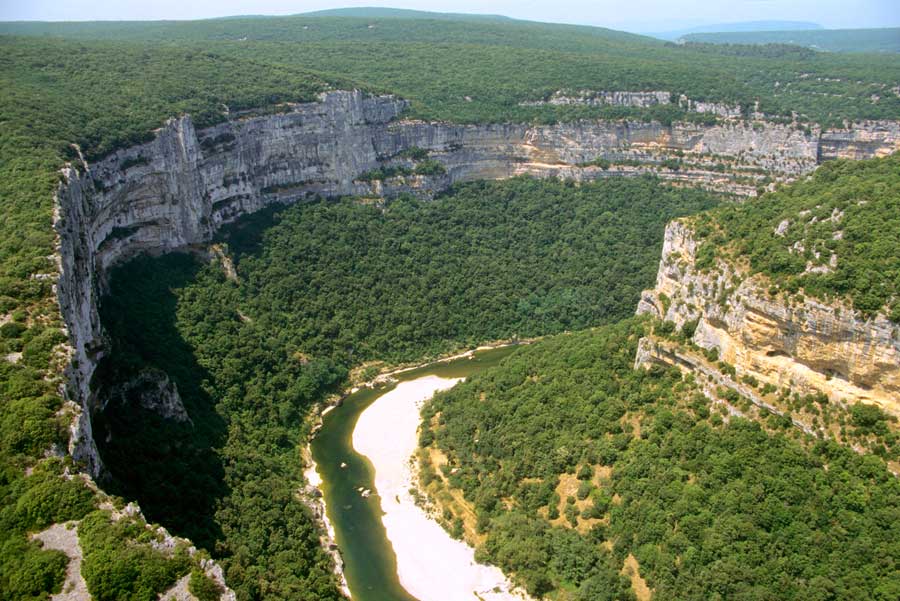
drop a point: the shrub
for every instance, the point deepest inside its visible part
(203, 587)
(12, 329)
(584, 489)
(689, 327)
(116, 568)
(50, 498)
(430, 167)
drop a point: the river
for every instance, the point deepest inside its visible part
(370, 564)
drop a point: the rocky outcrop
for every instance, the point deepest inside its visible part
(64, 537)
(595, 98)
(151, 390)
(719, 109)
(861, 140)
(161, 541)
(178, 189)
(807, 345)
(641, 99)
(711, 379)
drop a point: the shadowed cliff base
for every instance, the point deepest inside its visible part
(167, 459)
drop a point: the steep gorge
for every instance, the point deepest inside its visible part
(178, 189)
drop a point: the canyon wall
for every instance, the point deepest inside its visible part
(178, 189)
(807, 346)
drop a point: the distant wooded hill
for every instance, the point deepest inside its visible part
(740, 26)
(830, 40)
(370, 12)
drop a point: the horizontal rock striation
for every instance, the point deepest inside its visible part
(642, 99)
(808, 346)
(652, 351)
(178, 189)
(862, 140)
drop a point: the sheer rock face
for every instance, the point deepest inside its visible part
(178, 189)
(862, 140)
(807, 346)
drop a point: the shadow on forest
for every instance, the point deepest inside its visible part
(172, 468)
(245, 236)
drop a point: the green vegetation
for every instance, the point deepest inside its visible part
(415, 153)
(384, 173)
(490, 260)
(29, 505)
(430, 167)
(480, 70)
(710, 508)
(422, 165)
(325, 286)
(92, 88)
(849, 210)
(832, 40)
(203, 587)
(120, 562)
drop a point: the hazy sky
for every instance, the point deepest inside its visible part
(634, 15)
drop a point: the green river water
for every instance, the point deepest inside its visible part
(369, 562)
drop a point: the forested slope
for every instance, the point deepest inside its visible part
(481, 70)
(885, 39)
(576, 462)
(832, 236)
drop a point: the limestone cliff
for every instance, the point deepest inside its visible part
(178, 189)
(600, 98)
(861, 140)
(808, 346)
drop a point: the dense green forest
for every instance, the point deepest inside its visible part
(490, 260)
(325, 286)
(480, 70)
(832, 40)
(711, 506)
(849, 210)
